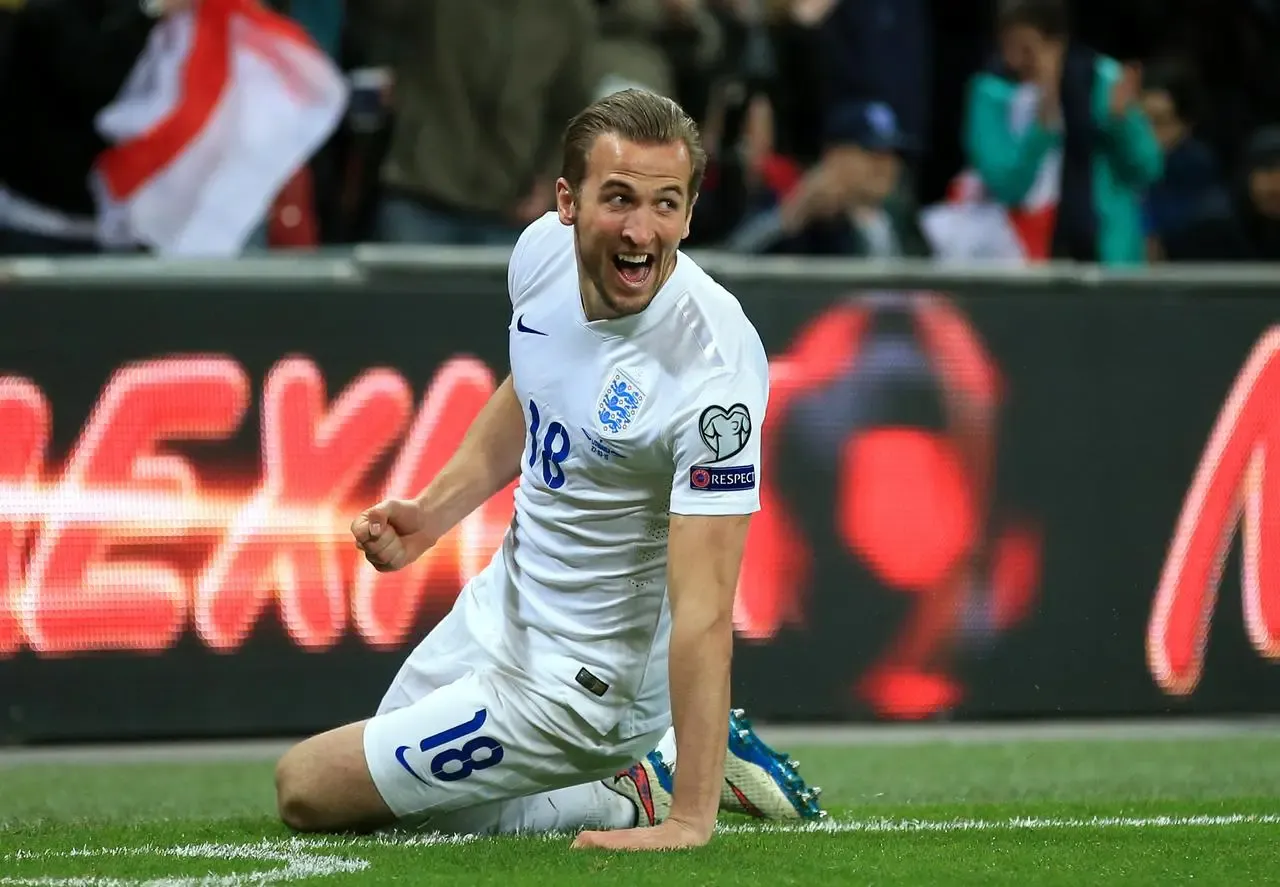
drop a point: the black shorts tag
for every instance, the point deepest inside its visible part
(593, 684)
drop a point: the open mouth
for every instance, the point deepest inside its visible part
(633, 268)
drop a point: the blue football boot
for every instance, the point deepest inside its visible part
(761, 782)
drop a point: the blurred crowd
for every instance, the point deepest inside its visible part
(1113, 131)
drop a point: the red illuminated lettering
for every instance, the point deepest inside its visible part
(1231, 486)
(384, 604)
(77, 596)
(129, 533)
(24, 416)
(287, 538)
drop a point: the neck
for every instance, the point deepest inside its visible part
(593, 305)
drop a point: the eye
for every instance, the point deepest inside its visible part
(668, 203)
(618, 200)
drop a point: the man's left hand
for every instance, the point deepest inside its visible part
(670, 835)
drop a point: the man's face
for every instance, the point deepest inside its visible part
(629, 216)
(1264, 189)
(1165, 122)
(1021, 47)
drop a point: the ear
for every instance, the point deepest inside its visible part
(566, 202)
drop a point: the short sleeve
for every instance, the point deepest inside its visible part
(517, 273)
(716, 444)
(537, 251)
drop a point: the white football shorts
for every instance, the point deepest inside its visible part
(457, 728)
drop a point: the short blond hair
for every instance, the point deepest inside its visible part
(636, 115)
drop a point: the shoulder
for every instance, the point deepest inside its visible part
(988, 99)
(710, 334)
(987, 87)
(543, 251)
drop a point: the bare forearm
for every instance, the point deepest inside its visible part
(486, 461)
(699, 666)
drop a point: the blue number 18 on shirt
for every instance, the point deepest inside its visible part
(552, 450)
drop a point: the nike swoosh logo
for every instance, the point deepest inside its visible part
(405, 764)
(527, 329)
(749, 808)
(640, 780)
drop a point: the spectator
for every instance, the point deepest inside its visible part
(752, 128)
(1055, 111)
(796, 88)
(856, 204)
(481, 93)
(68, 59)
(1233, 45)
(875, 56)
(1260, 211)
(880, 50)
(1190, 196)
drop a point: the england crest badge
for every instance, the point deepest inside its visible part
(619, 402)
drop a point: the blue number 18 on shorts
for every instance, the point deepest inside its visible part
(465, 756)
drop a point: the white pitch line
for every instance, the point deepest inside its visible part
(299, 863)
(1018, 823)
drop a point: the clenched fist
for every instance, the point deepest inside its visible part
(393, 534)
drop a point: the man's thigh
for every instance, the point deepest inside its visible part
(482, 738)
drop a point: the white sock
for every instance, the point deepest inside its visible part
(589, 806)
(667, 747)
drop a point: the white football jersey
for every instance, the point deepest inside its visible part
(628, 420)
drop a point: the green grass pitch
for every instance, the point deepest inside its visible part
(1152, 811)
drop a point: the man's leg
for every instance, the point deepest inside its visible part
(323, 784)
(484, 744)
(586, 806)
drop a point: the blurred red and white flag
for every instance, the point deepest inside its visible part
(970, 225)
(225, 104)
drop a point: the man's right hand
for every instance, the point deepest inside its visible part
(393, 534)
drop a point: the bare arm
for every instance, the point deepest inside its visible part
(396, 532)
(486, 461)
(705, 556)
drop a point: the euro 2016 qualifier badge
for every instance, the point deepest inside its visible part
(619, 402)
(725, 430)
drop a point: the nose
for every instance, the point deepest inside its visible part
(638, 231)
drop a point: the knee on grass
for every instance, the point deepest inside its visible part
(323, 785)
(297, 796)
(310, 798)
